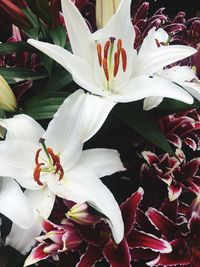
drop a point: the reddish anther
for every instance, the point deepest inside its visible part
(99, 53)
(53, 156)
(124, 59)
(106, 49)
(105, 68)
(116, 63)
(36, 173)
(37, 156)
(119, 45)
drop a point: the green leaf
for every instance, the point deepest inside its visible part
(58, 35)
(34, 31)
(144, 123)
(175, 105)
(41, 9)
(60, 79)
(47, 62)
(45, 105)
(8, 48)
(19, 74)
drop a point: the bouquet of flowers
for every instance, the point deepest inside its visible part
(100, 134)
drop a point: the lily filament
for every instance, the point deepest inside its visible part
(109, 60)
(52, 165)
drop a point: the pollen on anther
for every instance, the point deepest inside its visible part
(99, 53)
(36, 173)
(124, 59)
(37, 156)
(116, 63)
(119, 45)
(105, 68)
(106, 49)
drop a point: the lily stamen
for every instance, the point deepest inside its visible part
(106, 49)
(111, 59)
(116, 63)
(99, 54)
(53, 164)
(105, 68)
(124, 59)
(36, 173)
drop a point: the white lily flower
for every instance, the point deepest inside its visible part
(14, 204)
(106, 64)
(56, 165)
(184, 76)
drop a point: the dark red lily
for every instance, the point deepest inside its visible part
(182, 128)
(101, 244)
(183, 235)
(56, 239)
(177, 173)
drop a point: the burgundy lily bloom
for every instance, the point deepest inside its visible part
(101, 244)
(183, 235)
(56, 239)
(182, 128)
(176, 174)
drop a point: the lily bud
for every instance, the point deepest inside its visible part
(7, 98)
(14, 14)
(82, 214)
(104, 10)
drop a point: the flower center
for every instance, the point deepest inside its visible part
(49, 165)
(110, 57)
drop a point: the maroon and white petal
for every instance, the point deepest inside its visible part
(48, 226)
(190, 169)
(52, 249)
(117, 255)
(92, 255)
(175, 140)
(71, 240)
(174, 190)
(191, 143)
(166, 227)
(150, 157)
(129, 208)
(179, 256)
(37, 254)
(139, 239)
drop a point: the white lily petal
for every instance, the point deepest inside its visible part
(149, 43)
(101, 161)
(95, 112)
(152, 102)
(22, 127)
(80, 69)
(144, 86)
(17, 160)
(42, 203)
(78, 31)
(82, 185)
(179, 74)
(14, 204)
(157, 59)
(114, 28)
(186, 77)
(64, 133)
(83, 115)
(193, 88)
